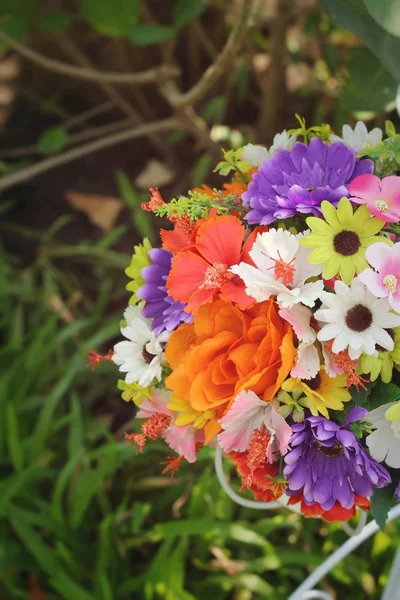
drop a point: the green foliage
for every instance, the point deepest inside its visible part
(197, 205)
(307, 133)
(386, 13)
(114, 18)
(186, 10)
(143, 34)
(381, 503)
(353, 15)
(233, 163)
(54, 22)
(133, 200)
(52, 140)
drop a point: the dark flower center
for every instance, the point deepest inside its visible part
(346, 243)
(330, 451)
(147, 356)
(359, 318)
(313, 383)
(310, 189)
(379, 347)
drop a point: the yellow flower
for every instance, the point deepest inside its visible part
(187, 414)
(134, 392)
(383, 363)
(140, 259)
(341, 239)
(325, 392)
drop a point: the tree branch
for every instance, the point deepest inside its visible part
(217, 69)
(145, 77)
(75, 153)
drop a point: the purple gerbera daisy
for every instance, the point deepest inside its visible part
(299, 180)
(327, 464)
(165, 312)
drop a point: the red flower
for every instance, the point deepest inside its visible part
(336, 513)
(201, 272)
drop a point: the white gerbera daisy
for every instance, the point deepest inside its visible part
(356, 319)
(142, 356)
(281, 270)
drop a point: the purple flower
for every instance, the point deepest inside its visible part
(327, 464)
(299, 180)
(165, 312)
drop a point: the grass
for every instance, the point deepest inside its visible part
(81, 516)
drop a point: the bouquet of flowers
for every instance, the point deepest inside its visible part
(268, 321)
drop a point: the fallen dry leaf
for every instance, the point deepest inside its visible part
(55, 303)
(155, 174)
(102, 211)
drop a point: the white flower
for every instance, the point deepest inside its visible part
(384, 442)
(356, 319)
(282, 141)
(359, 137)
(308, 362)
(142, 356)
(256, 155)
(281, 270)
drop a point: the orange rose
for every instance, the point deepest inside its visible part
(227, 350)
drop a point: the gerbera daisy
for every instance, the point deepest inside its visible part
(384, 282)
(356, 319)
(381, 196)
(296, 182)
(281, 269)
(341, 238)
(328, 465)
(142, 356)
(383, 363)
(324, 391)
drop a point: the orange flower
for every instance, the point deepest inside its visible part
(226, 351)
(262, 482)
(199, 273)
(336, 513)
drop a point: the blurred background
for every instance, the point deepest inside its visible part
(99, 100)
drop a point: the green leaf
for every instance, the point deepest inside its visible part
(386, 13)
(201, 169)
(353, 15)
(52, 140)
(186, 10)
(13, 439)
(113, 18)
(133, 200)
(144, 34)
(370, 87)
(383, 393)
(381, 503)
(54, 22)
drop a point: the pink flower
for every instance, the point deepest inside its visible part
(384, 282)
(382, 197)
(182, 439)
(308, 363)
(248, 414)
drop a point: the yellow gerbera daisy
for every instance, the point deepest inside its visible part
(341, 239)
(325, 392)
(383, 363)
(188, 415)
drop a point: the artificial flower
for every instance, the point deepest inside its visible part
(184, 440)
(355, 319)
(359, 137)
(328, 465)
(139, 260)
(260, 477)
(281, 269)
(308, 359)
(294, 404)
(298, 181)
(341, 239)
(134, 392)
(384, 442)
(382, 364)
(187, 415)
(384, 282)
(198, 275)
(256, 155)
(381, 196)
(323, 391)
(226, 351)
(166, 313)
(248, 414)
(142, 356)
